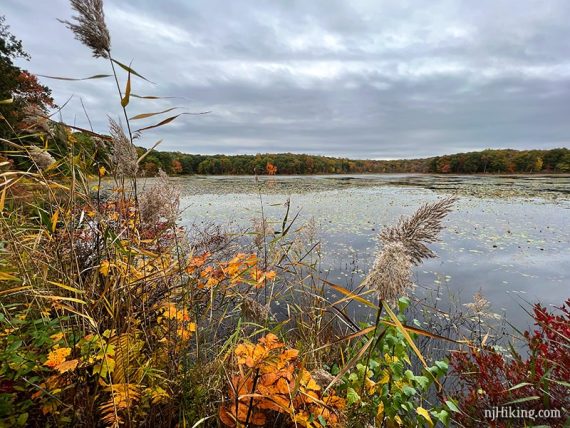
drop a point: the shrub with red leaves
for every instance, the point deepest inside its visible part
(489, 379)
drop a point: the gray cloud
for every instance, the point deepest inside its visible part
(363, 79)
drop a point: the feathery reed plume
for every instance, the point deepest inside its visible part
(404, 247)
(420, 229)
(480, 306)
(41, 158)
(124, 152)
(90, 28)
(161, 202)
(34, 119)
(254, 311)
(391, 272)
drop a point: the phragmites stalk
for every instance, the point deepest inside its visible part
(89, 27)
(420, 229)
(160, 203)
(124, 152)
(404, 246)
(41, 158)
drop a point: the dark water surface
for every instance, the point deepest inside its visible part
(508, 237)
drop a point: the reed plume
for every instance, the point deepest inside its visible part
(160, 203)
(41, 158)
(124, 152)
(420, 229)
(404, 246)
(90, 28)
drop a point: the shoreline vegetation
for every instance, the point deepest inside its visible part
(487, 162)
(503, 162)
(113, 314)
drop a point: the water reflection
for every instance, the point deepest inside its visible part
(513, 248)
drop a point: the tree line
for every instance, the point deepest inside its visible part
(487, 161)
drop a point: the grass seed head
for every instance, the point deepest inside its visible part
(89, 26)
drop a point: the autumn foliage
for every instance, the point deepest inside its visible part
(271, 384)
(540, 381)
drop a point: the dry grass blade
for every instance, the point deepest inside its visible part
(350, 364)
(127, 97)
(96, 76)
(168, 120)
(350, 295)
(145, 115)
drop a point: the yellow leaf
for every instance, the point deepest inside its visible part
(125, 100)
(56, 337)
(102, 171)
(380, 411)
(5, 276)
(3, 198)
(370, 385)
(54, 220)
(423, 412)
(104, 268)
(385, 378)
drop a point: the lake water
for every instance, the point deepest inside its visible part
(508, 236)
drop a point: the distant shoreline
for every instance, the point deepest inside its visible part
(427, 174)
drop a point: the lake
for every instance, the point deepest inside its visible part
(509, 237)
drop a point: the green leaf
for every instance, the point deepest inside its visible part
(523, 400)
(520, 385)
(322, 420)
(422, 381)
(442, 416)
(352, 396)
(403, 303)
(22, 419)
(408, 390)
(452, 406)
(442, 365)
(408, 338)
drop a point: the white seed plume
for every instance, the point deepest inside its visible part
(124, 152)
(41, 158)
(160, 203)
(90, 28)
(404, 246)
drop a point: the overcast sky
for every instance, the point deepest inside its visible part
(360, 78)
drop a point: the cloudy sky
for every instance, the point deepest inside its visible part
(361, 78)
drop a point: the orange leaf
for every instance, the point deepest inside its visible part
(67, 366)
